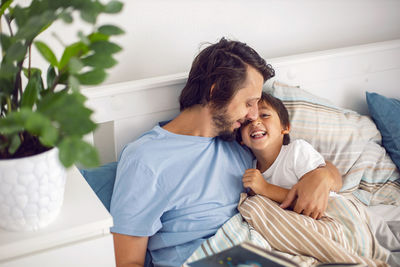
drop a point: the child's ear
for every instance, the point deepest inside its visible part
(286, 130)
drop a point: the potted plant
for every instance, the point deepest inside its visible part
(43, 117)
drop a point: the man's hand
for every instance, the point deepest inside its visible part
(311, 193)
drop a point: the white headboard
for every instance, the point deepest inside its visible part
(125, 110)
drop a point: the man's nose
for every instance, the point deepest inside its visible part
(253, 113)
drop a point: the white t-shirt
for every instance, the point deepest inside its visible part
(294, 160)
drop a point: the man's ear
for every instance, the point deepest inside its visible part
(212, 89)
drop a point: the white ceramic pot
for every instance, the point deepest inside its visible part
(31, 191)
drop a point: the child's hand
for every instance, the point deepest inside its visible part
(253, 179)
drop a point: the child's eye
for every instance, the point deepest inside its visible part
(264, 115)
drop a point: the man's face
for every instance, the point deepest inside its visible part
(241, 108)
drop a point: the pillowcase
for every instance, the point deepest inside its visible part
(101, 180)
(386, 114)
(347, 139)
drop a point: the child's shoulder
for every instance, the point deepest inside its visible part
(299, 142)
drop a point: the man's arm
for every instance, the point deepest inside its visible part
(312, 191)
(130, 251)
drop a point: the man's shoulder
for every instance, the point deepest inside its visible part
(234, 149)
(147, 143)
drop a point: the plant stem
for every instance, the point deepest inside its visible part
(9, 25)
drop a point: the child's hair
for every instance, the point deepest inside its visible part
(280, 109)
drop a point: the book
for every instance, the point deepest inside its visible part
(244, 255)
(340, 264)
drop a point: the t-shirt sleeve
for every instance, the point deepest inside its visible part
(137, 202)
(306, 158)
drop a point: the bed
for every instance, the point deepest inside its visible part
(325, 93)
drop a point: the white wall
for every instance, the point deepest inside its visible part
(162, 37)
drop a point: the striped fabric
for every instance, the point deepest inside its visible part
(349, 140)
(341, 236)
(235, 231)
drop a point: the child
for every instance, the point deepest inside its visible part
(279, 165)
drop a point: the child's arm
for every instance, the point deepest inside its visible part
(253, 179)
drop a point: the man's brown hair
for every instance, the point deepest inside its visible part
(223, 65)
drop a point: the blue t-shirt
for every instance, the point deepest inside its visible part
(178, 190)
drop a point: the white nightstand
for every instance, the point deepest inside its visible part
(80, 236)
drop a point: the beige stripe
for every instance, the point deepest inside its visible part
(314, 237)
(288, 229)
(292, 233)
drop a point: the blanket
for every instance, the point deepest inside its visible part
(342, 235)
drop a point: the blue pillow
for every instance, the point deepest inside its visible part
(101, 180)
(386, 114)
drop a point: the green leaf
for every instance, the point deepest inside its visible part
(32, 91)
(90, 11)
(74, 50)
(95, 37)
(33, 72)
(8, 70)
(16, 52)
(4, 6)
(89, 16)
(6, 86)
(76, 150)
(20, 15)
(15, 144)
(31, 121)
(66, 17)
(11, 124)
(113, 7)
(75, 65)
(68, 112)
(105, 47)
(5, 42)
(92, 77)
(83, 38)
(110, 30)
(51, 76)
(46, 53)
(35, 25)
(73, 83)
(99, 60)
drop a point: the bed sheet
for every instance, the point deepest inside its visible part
(385, 223)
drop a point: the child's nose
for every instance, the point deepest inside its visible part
(256, 121)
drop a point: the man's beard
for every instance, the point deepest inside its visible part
(224, 125)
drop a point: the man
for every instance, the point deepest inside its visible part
(177, 184)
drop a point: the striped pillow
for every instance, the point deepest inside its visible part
(347, 139)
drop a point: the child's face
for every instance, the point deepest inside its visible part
(265, 131)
